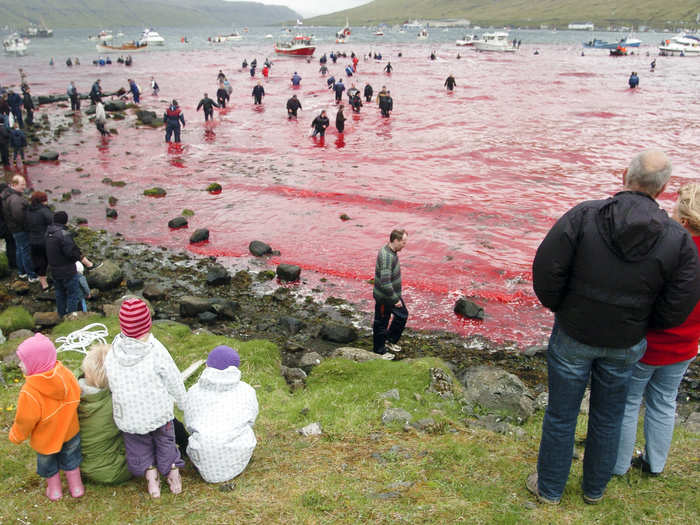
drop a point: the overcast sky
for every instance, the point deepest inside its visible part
(317, 7)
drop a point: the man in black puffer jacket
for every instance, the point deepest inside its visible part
(609, 270)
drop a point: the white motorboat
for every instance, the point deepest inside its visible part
(269, 36)
(681, 45)
(231, 37)
(413, 25)
(497, 42)
(343, 35)
(379, 33)
(14, 44)
(103, 36)
(151, 37)
(468, 40)
(423, 34)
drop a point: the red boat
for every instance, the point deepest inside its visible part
(300, 45)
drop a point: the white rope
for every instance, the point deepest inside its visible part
(80, 340)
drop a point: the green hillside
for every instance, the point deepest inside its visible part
(532, 13)
(99, 13)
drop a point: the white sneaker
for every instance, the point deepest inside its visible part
(387, 356)
(33, 280)
(23, 276)
(393, 347)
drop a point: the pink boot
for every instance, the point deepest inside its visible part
(174, 480)
(53, 487)
(153, 482)
(75, 482)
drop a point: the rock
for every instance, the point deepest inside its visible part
(293, 374)
(495, 424)
(396, 415)
(496, 391)
(46, 319)
(541, 401)
(80, 220)
(288, 272)
(214, 187)
(390, 394)
(265, 275)
(154, 292)
(15, 318)
(106, 276)
(11, 360)
(424, 424)
(156, 191)
(20, 287)
(532, 351)
(115, 105)
(259, 248)
(199, 235)
(134, 284)
(291, 325)
(312, 429)
(440, 383)
(338, 333)
(225, 308)
(191, 306)
(146, 117)
(692, 424)
(354, 354)
(22, 333)
(309, 360)
(467, 308)
(111, 213)
(48, 155)
(218, 275)
(242, 279)
(177, 222)
(207, 317)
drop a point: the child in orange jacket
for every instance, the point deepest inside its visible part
(47, 414)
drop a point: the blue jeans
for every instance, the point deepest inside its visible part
(68, 458)
(570, 365)
(24, 257)
(67, 294)
(659, 387)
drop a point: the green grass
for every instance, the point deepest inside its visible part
(358, 470)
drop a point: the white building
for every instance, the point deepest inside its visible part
(582, 26)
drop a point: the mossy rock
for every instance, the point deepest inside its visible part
(15, 318)
(187, 213)
(112, 200)
(4, 265)
(155, 192)
(117, 183)
(214, 187)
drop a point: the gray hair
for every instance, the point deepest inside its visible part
(649, 171)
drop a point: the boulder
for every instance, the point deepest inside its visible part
(495, 424)
(134, 284)
(190, 306)
(293, 374)
(207, 317)
(498, 392)
(115, 105)
(146, 117)
(22, 333)
(338, 333)
(156, 191)
(218, 275)
(20, 287)
(390, 394)
(242, 279)
(354, 354)
(259, 248)
(312, 429)
(468, 308)
(111, 213)
(441, 383)
(154, 292)
(48, 155)
(106, 276)
(291, 325)
(214, 188)
(225, 308)
(288, 272)
(199, 235)
(309, 360)
(46, 319)
(396, 415)
(15, 318)
(177, 222)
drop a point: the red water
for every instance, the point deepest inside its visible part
(476, 176)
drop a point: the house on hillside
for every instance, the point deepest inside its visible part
(582, 26)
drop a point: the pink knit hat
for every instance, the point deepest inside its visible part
(134, 318)
(37, 353)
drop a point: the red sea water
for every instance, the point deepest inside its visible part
(476, 176)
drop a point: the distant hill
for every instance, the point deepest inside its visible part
(161, 13)
(532, 13)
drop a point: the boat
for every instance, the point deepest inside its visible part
(497, 42)
(14, 45)
(468, 40)
(151, 37)
(379, 33)
(33, 31)
(423, 34)
(103, 36)
(619, 51)
(343, 35)
(300, 45)
(413, 25)
(231, 37)
(269, 36)
(132, 47)
(602, 44)
(681, 45)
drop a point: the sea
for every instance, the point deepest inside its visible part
(476, 176)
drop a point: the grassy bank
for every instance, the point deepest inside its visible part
(359, 470)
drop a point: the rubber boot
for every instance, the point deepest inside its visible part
(75, 482)
(174, 480)
(53, 487)
(153, 482)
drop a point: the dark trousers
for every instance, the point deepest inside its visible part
(170, 129)
(368, 98)
(208, 114)
(17, 113)
(67, 294)
(5, 153)
(382, 316)
(101, 128)
(155, 449)
(258, 99)
(74, 103)
(222, 102)
(30, 117)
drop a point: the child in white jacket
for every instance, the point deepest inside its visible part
(220, 413)
(144, 381)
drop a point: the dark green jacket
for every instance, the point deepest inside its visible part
(387, 276)
(101, 441)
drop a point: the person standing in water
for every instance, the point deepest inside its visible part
(320, 123)
(633, 80)
(450, 83)
(340, 120)
(173, 117)
(258, 93)
(154, 86)
(293, 105)
(208, 105)
(388, 68)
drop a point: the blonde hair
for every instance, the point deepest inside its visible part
(94, 366)
(689, 205)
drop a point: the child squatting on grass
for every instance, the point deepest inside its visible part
(144, 380)
(47, 414)
(220, 413)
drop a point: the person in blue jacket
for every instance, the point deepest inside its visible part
(330, 82)
(173, 117)
(339, 87)
(15, 102)
(348, 70)
(134, 90)
(634, 80)
(296, 79)
(96, 92)
(19, 141)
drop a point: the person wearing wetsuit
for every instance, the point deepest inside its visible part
(450, 83)
(368, 92)
(339, 87)
(208, 105)
(386, 103)
(173, 117)
(633, 80)
(320, 123)
(96, 92)
(258, 93)
(356, 102)
(340, 120)
(388, 68)
(293, 105)
(222, 95)
(432, 55)
(348, 70)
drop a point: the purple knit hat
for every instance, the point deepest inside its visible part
(222, 357)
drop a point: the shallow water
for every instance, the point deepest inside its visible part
(476, 176)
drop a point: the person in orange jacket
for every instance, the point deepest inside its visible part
(47, 414)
